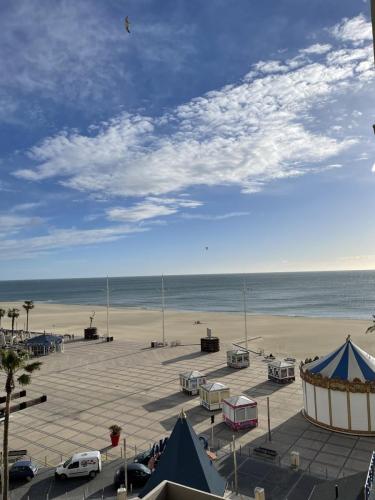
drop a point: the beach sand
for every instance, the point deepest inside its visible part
(300, 337)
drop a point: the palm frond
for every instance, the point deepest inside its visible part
(24, 379)
(31, 367)
(370, 329)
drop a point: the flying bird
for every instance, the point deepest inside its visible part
(371, 328)
(127, 24)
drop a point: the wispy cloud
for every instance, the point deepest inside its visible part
(10, 224)
(228, 215)
(74, 52)
(149, 209)
(63, 238)
(247, 134)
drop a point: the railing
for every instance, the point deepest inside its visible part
(369, 485)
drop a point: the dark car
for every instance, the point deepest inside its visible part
(23, 470)
(138, 475)
(143, 458)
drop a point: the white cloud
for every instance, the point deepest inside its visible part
(25, 207)
(14, 223)
(246, 135)
(356, 30)
(373, 166)
(228, 215)
(317, 48)
(62, 238)
(149, 209)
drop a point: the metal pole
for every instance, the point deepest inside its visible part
(107, 307)
(235, 466)
(162, 306)
(212, 436)
(126, 468)
(269, 420)
(244, 311)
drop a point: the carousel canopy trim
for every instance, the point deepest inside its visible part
(348, 362)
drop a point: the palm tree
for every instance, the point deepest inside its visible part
(11, 363)
(2, 314)
(28, 305)
(13, 313)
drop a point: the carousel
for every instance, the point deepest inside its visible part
(212, 395)
(339, 390)
(190, 382)
(238, 358)
(240, 412)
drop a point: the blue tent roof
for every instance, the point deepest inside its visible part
(185, 462)
(348, 362)
(44, 340)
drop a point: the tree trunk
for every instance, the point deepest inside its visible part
(13, 320)
(27, 320)
(5, 477)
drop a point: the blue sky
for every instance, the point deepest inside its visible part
(241, 126)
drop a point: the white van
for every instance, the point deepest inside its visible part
(88, 463)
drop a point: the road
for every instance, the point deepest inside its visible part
(44, 485)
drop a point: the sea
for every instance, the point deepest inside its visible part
(340, 294)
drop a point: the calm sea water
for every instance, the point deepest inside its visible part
(348, 294)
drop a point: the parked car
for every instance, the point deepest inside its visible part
(88, 463)
(144, 457)
(138, 475)
(23, 470)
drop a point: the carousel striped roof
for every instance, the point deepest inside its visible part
(348, 362)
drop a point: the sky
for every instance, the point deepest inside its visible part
(216, 137)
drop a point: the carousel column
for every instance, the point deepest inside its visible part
(329, 404)
(349, 410)
(316, 410)
(368, 408)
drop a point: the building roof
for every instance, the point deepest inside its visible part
(184, 461)
(214, 386)
(281, 363)
(44, 340)
(348, 362)
(239, 352)
(239, 401)
(192, 374)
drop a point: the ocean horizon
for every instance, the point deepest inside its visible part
(336, 294)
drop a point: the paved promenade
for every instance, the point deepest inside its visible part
(93, 385)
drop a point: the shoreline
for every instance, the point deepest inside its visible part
(203, 311)
(300, 337)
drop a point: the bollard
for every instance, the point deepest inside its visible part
(122, 494)
(240, 450)
(45, 461)
(106, 455)
(121, 451)
(135, 450)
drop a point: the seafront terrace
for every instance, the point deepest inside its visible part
(94, 384)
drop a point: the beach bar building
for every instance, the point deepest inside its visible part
(212, 395)
(339, 390)
(240, 412)
(281, 371)
(238, 358)
(190, 382)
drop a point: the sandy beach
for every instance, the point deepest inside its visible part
(296, 336)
